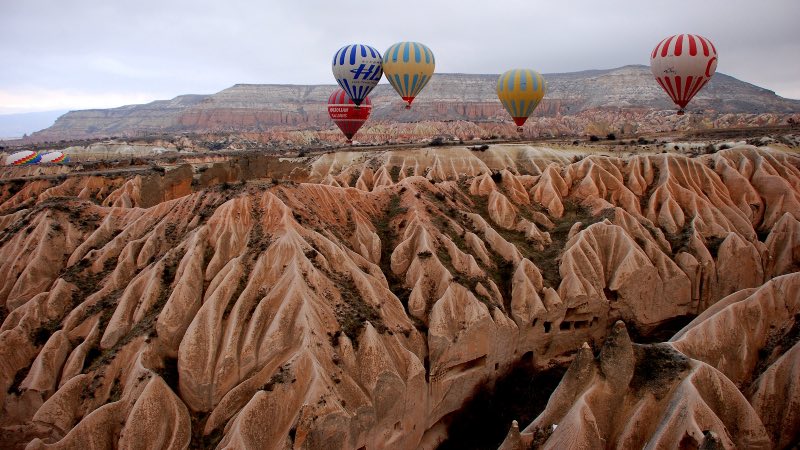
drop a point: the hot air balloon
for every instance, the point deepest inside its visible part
(520, 90)
(408, 67)
(54, 157)
(346, 115)
(357, 69)
(23, 158)
(682, 65)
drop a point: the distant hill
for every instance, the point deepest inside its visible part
(448, 97)
(17, 125)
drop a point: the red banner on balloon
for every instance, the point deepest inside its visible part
(345, 114)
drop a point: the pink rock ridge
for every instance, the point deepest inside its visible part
(360, 304)
(727, 380)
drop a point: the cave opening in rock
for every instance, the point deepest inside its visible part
(527, 357)
(662, 332)
(519, 394)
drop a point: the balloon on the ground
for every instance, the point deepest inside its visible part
(408, 67)
(23, 158)
(54, 157)
(520, 91)
(357, 69)
(345, 114)
(682, 65)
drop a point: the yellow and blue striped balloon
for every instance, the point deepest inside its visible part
(520, 91)
(408, 67)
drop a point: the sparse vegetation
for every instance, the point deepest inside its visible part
(354, 311)
(645, 198)
(540, 436)
(679, 242)
(116, 391)
(200, 441)
(213, 146)
(657, 366)
(779, 341)
(394, 173)
(280, 377)
(97, 357)
(386, 233)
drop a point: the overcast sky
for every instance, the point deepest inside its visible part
(73, 54)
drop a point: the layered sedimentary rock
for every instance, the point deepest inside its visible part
(361, 303)
(589, 102)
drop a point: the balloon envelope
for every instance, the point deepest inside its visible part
(23, 158)
(345, 114)
(682, 65)
(357, 69)
(520, 91)
(54, 157)
(408, 67)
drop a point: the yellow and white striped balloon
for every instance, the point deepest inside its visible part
(408, 67)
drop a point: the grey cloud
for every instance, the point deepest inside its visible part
(169, 48)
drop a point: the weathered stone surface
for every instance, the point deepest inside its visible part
(362, 302)
(590, 102)
(647, 396)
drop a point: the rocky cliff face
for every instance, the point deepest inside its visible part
(448, 97)
(360, 304)
(727, 380)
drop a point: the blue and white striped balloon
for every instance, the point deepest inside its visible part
(357, 68)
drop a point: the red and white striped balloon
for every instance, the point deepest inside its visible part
(682, 65)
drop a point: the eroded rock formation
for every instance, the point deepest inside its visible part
(360, 304)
